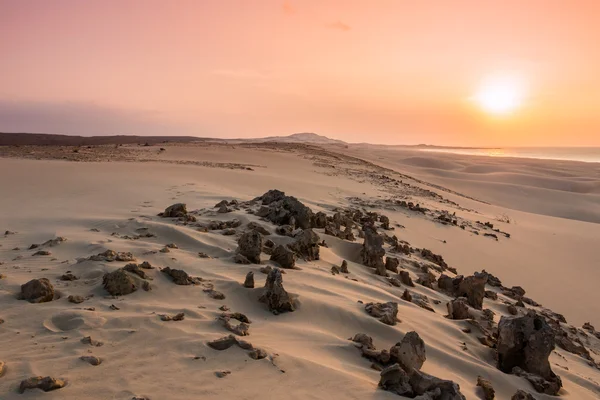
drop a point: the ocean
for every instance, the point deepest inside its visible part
(585, 154)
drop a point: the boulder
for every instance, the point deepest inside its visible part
(391, 264)
(364, 339)
(46, 384)
(385, 312)
(486, 388)
(344, 267)
(223, 343)
(372, 250)
(307, 245)
(473, 288)
(458, 309)
(250, 246)
(285, 210)
(119, 283)
(522, 395)
(249, 281)
(37, 291)
(438, 389)
(175, 211)
(524, 345)
(180, 277)
(255, 226)
(394, 379)
(319, 220)
(410, 352)
(385, 222)
(405, 278)
(274, 295)
(283, 256)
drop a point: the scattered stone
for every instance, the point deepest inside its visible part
(75, 299)
(250, 246)
(257, 354)
(240, 259)
(486, 387)
(434, 258)
(178, 210)
(458, 309)
(93, 360)
(215, 294)
(180, 277)
(46, 384)
(394, 379)
(344, 267)
(113, 307)
(267, 269)
(489, 294)
(91, 342)
(119, 283)
(176, 317)
(385, 222)
(385, 312)
(274, 295)
(42, 253)
(284, 210)
(203, 255)
(249, 281)
(223, 343)
(222, 374)
(68, 277)
(283, 256)
(524, 345)
(512, 310)
(242, 329)
(135, 269)
(365, 340)
(165, 250)
(307, 245)
(37, 291)
(426, 386)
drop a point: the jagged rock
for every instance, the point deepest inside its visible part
(406, 279)
(68, 277)
(319, 220)
(215, 294)
(364, 339)
(427, 279)
(438, 389)
(37, 291)
(285, 210)
(255, 226)
(75, 299)
(175, 211)
(119, 283)
(249, 281)
(250, 246)
(522, 395)
(473, 288)
(335, 270)
(283, 256)
(391, 264)
(410, 352)
(489, 294)
(524, 344)
(135, 269)
(46, 384)
(372, 250)
(486, 387)
(223, 343)
(285, 230)
(458, 309)
(434, 258)
(394, 379)
(385, 222)
(344, 267)
(274, 295)
(242, 329)
(492, 280)
(406, 295)
(257, 354)
(385, 312)
(176, 317)
(93, 360)
(180, 277)
(307, 245)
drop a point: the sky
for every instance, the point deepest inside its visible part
(381, 71)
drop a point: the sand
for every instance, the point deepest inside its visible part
(102, 200)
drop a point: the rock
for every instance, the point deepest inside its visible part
(372, 250)
(285, 210)
(489, 294)
(75, 299)
(285, 230)
(307, 245)
(259, 228)
(423, 384)
(492, 280)
(525, 343)
(46, 384)
(319, 220)
(458, 309)
(215, 294)
(385, 222)
(391, 264)
(257, 354)
(266, 270)
(344, 267)
(180, 277)
(249, 281)
(42, 253)
(222, 374)
(175, 211)
(512, 310)
(410, 352)
(119, 283)
(242, 329)
(2, 368)
(407, 296)
(68, 277)
(385, 312)
(364, 339)
(427, 279)
(274, 295)
(240, 259)
(250, 246)
(522, 395)
(176, 317)
(135, 269)
(394, 379)
(223, 343)
(473, 288)
(434, 258)
(335, 270)
(486, 387)
(37, 291)
(91, 342)
(283, 256)
(93, 360)
(406, 279)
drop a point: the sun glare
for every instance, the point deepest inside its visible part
(500, 95)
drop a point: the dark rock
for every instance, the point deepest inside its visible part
(250, 246)
(176, 317)
(512, 310)
(37, 291)
(486, 387)
(458, 309)
(285, 210)
(274, 295)
(283, 256)
(180, 277)
(489, 294)
(249, 281)
(75, 299)
(344, 267)
(372, 250)
(394, 379)
(406, 279)
(438, 389)
(240, 259)
(319, 220)
(259, 228)
(257, 354)
(68, 277)
(522, 395)
(223, 343)
(492, 280)
(385, 312)
(364, 339)
(434, 258)
(46, 384)
(307, 245)
(93, 360)
(175, 211)
(410, 352)
(473, 288)
(391, 264)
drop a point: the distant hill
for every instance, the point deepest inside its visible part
(22, 139)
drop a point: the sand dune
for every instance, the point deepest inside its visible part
(98, 205)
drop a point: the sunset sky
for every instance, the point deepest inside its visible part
(382, 71)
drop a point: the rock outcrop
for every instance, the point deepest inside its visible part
(385, 312)
(37, 291)
(372, 250)
(307, 245)
(285, 210)
(274, 295)
(458, 309)
(180, 277)
(283, 256)
(250, 246)
(473, 288)
(410, 352)
(178, 210)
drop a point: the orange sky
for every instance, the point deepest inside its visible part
(383, 71)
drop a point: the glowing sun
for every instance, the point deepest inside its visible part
(500, 95)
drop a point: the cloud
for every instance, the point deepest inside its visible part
(340, 26)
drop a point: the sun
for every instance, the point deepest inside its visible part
(500, 95)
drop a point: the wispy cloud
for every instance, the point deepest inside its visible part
(339, 25)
